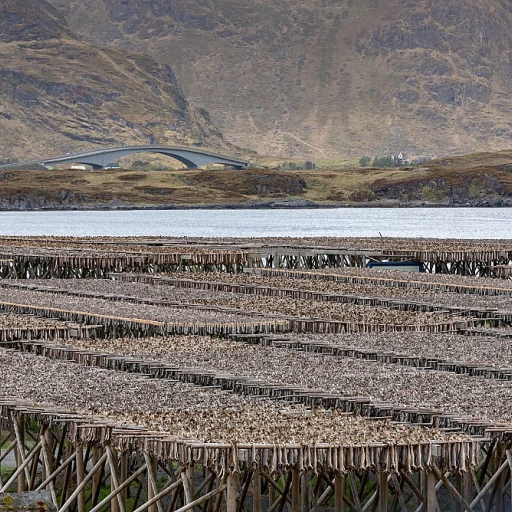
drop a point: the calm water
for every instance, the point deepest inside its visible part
(396, 222)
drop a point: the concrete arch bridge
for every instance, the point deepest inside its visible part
(98, 159)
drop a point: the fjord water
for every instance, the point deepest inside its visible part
(471, 223)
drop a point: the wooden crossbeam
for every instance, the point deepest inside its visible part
(198, 501)
(22, 467)
(113, 478)
(489, 484)
(448, 485)
(161, 494)
(119, 489)
(50, 476)
(81, 485)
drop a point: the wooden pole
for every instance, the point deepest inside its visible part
(61, 468)
(231, 492)
(210, 482)
(194, 503)
(124, 475)
(353, 490)
(286, 490)
(82, 485)
(432, 505)
(152, 464)
(256, 492)
(399, 493)
(459, 487)
(305, 489)
(8, 450)
(245, 490)
(117, 505)
(69, 473)
(500, 483)
(160, 495)
(96, 481)
(49, 447)
(414, 488)
(19, 430)
(47, 472)
(296, 490)
(35, 464)
(383, 491)
(467, 488)
(186, 488)
(329, 489)
(489, 484)
(21, 469)
(113, 495)
(453, 490)
(271, 493)
(80, 475)
(339, 492)
(190, 473)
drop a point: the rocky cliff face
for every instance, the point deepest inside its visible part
(59, 94)
(323, 78)
(26, 21)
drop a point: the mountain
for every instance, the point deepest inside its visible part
(327, 78)
(59, 93)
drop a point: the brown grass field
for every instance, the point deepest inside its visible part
(479, 179)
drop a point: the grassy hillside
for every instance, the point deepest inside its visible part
(482, 179)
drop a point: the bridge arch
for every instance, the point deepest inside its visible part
(93, 161)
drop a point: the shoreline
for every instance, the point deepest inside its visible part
(273, 205)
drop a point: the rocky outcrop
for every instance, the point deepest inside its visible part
(34, 501)
(30, 20)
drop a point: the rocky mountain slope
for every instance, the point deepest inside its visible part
(58, 93)
(328, 78)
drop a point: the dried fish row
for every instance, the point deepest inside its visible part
(31, 327)
(470, 281)
(398, 385)
(420, 249)
(29, 245)
(121, 259)
(383, 244)
(488, 351)
(348, 243)
(29, 258)
(395, 279)
(120, 308)
(361, 290)
(11, 320)
(206, 415)
(250, 387)
(246, 304)
(324, 242)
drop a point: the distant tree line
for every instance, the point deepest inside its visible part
(294, 166)
(144, 165)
